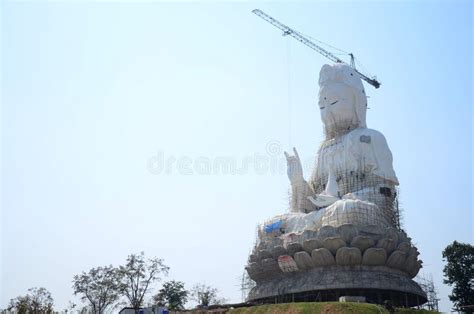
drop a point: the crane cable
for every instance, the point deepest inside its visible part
(288, 64)
(361, 66)
(341, 52)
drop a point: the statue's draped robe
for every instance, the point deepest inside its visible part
(362, 151)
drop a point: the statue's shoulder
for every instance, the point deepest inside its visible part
(367, 136)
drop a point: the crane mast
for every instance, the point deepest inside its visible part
(289, 31)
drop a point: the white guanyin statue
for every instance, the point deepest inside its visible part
(342, 231)
(353, 179)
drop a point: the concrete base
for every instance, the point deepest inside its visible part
(376, 283)
(349, 298)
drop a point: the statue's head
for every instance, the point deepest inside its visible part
(342, 99)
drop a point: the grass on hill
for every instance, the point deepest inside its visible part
(322, 308)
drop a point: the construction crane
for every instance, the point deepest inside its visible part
(289, 31)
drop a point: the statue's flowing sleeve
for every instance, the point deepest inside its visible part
(300, 191)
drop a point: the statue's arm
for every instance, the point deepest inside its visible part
(300, 189)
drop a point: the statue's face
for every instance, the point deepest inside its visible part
(337, 104)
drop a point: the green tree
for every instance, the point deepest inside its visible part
(205, 295)
(172, 295)
(37, 300)
(137, 275)
(21, 304)
(100, 287)
(459, 273)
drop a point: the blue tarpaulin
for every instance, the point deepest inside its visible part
(274, 226)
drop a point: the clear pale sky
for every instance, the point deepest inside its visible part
(96, 94)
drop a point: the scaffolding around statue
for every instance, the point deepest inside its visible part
(342, 235)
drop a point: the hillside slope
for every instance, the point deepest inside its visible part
(322, 308)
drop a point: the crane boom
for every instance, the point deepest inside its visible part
(289, 31)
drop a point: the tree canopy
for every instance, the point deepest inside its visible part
(37, 300)
(205, 295)
(459, 273)
(137, 275)
(173, 295)
(100, 287)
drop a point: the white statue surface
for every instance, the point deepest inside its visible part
(353, 165)
(342, 229)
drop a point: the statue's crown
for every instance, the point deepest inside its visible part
(342, 73)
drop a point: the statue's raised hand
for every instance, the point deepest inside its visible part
(294, 168)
